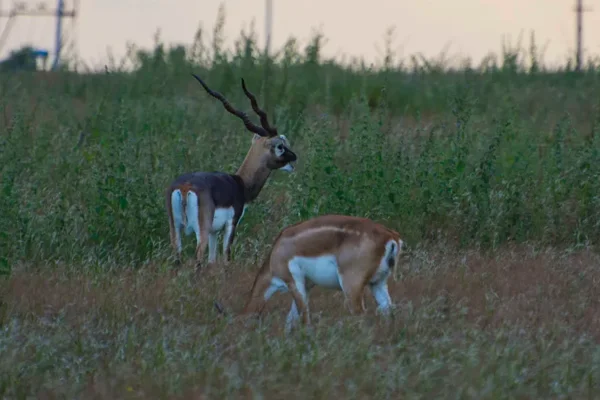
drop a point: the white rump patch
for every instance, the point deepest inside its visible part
(191, 211)
(387, 262)
(185, 216)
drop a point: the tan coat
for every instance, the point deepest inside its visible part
(334, 251)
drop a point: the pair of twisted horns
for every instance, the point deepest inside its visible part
(266, 130)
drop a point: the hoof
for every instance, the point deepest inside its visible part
(198, 266)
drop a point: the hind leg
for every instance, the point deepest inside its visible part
(353, 285)
(382, 296)
(176, 223)
(201, 212)
(355, 299)
(298, 289)
(194, 224)
(292, 317)
(228, 238)
(378, 283)
(212, 248)
(202, 244)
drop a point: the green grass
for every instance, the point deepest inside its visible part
(491, 174)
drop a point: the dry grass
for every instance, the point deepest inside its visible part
(515, 324)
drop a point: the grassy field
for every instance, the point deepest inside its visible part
(491, 173)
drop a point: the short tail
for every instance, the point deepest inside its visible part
(184, 208)
(392, 248)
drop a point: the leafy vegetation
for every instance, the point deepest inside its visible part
(471, 164)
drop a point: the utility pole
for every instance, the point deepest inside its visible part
(21, 10)
(268, 25)
(268, 30)
(579, 9)
(60, 9)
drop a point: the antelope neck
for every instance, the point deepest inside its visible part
(254, 175)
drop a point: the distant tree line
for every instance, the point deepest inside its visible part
(22, 59)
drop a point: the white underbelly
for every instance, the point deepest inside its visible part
(321, 270)
(222, 217)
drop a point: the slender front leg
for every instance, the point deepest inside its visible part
(228, 238)
(357, 301)
(292, 317)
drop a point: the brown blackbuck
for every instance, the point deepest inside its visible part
(331, 251)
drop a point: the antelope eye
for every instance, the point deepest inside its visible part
(279, 147)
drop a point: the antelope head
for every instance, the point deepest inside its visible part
(269, 148)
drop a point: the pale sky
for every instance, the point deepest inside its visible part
(352, 27)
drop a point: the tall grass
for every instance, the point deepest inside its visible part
(475, 156)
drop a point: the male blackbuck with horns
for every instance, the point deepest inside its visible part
(206, 203)
(331, 251)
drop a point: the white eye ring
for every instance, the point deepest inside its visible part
(279, 150)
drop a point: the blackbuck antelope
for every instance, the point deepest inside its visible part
(206, 203)
(331, 251)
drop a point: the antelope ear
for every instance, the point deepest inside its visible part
(285, 140)
(255, 137)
